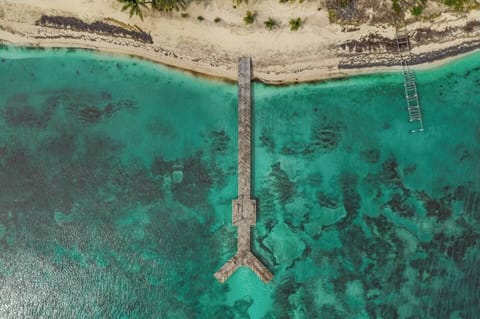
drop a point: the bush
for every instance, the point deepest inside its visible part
(200, 18)
(250, 17)
(396, 7)
(416, 11)
(270, 23)
(456, 4)
(217, 20)
(184, 15)
(295, 24)
(332, 16)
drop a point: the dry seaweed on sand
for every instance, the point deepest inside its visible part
(98, 27)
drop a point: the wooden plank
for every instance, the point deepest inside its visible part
(244, 207)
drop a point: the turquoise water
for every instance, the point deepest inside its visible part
(116, 180)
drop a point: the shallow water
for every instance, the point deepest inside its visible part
(116, 180)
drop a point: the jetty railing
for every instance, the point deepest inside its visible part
(409, 80)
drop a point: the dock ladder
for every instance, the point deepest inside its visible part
(409, 81)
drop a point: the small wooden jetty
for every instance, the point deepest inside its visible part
(409, 81)
(244, 208)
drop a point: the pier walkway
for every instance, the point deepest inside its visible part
(244, 208)
(409, 81)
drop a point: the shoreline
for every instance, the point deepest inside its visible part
(117, 54)
(203, 55)
(446, 57)
(360, 71)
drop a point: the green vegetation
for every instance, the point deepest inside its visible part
(249, 17)
(200, 18)
(332, 16)
(238, 2)
(292, 1)
(396, 7)
(168, 5)
(135, 6)
(270, 23)
(339, 11)
(416, 8)
(456, 4)
(416, 11)
(295, 24)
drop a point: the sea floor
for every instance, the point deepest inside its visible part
(117, 175)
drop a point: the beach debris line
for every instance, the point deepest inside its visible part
(244, 207)
(409, 80)
(98, 27)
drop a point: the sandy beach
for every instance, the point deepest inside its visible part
(319, 50)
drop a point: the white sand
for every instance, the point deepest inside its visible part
(279, 56)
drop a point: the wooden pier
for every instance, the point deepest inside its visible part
(409, 81)
(244, 208)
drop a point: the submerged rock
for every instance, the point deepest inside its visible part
(218, 141)
(281, 183)
(89, 114)
(284, 289)
(267, 141)
(370, 155)
(315, 179)
(382, 311)
(160, 166)
(400, 205)
(18, 112)
(351, 197)
(327, 201)
(196, 183)
(326, 136)
(390, 170)
(471, 200)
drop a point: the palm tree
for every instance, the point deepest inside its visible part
(134, 7)
(249, 17)
(238, 2)
(270, 23)
(168, 5)
(295, 24)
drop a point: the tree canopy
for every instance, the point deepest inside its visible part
(169, 5)
(135, 6)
